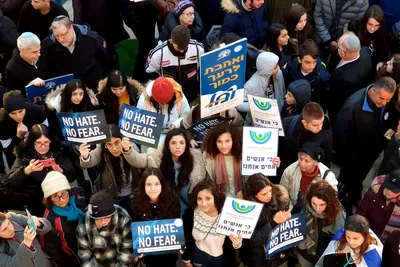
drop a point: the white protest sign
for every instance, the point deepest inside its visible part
(239, 216)
(260, 145)
(265, 113)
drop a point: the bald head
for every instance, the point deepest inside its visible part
(349, 46)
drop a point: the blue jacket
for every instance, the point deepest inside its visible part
(250, 24)
(391, 8)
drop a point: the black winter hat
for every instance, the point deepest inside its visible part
(13, 100)
(301, 91)
(101, 208)
(357, 223)
(313, 150)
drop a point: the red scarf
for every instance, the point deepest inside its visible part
(306, 180)
(222, 178)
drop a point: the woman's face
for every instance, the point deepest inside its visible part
(224, 144)
(354, 239)
(7, 230)
(205, 201)
(115, 146)
(389, 65)
(306, 163)
(318, 205)
(283, 38)
(42, 145)
(187, 17)
(265, 194)
(77, 96)
(372, 25)
(302, 22)
(60, 198)
(177, 145)
(118, 91)
(153, 187)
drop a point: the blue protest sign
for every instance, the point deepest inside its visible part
(144, 127)
(157, 237)
(84, 127)
(37, 94)
(202, 127)
(286, 235)
(222, 77)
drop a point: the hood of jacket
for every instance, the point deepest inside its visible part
(53, 99)
(232, 6)
(266, 63)
(301, 91)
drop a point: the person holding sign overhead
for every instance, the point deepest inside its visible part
(325, 217)
(154, 200)
(275, 211)
(115, 90)
(204, 246)
(117, 175)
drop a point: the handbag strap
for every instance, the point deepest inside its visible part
(212, 225)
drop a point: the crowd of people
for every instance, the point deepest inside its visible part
(333, 67)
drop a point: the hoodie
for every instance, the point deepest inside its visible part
(301, 91)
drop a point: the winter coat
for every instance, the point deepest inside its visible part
(391, 157)
(8, 40)
(11, 8)
(374, 208)
(391, 8)
(60, 243)
(292, 176)
(324, 16)
(152, 159)
(17, 254)
(251, 61)
(279, 8)
(19, 73)
(258, 83)
(394, 35)
(103, 16)
(250, 24)
(319, 80)
(88, 61)
(134, 90)
(210, 12)
(196, 29)
(111, 246)
(106, 179)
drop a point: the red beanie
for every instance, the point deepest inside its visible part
(162, 90)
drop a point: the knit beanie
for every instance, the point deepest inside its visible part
(162, 90)
(53, 183)
(313, 150)
(357, 223)
(301, 91)
(101, 208)
(13, 100)
(181, 6)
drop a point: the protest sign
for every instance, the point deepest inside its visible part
(84, 127)
(286, 235)
(239, 216)
(144, 127)
(260, 145)
(37, 94)
(222, 77)
(157, 237)
(265, 113)
(202, 127)
(213, 35)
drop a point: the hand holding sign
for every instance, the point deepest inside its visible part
(236, 240)
(126, 144)
(37, 82)
(282, 216)
(84, 150)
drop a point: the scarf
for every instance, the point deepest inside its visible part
(222, 174)
(394, 220)
(70, 211)
(306, 180)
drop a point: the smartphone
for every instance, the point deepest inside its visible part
(48, 162)
(31, 222)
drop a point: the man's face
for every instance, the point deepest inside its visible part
(256, 3)
(30, 54)
(64, 35)
(18, 115)
(178, 49)
(103, 222)
(380, 97)
(314, 126)
(39, 4)
(307, 63)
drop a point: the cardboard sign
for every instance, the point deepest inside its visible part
(239, 216)
(143, 127)
(37, 94)
(265, 113)
(286, 235)
(157, 237)
(202, 127)
(213, 35)
(260, 145)
(222, 76)
(84, 127)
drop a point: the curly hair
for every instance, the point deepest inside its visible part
(210, 141)
(66, 94)
(208, 184)
(186, 161)
(368, 240)
(324, 191)
(168, 208)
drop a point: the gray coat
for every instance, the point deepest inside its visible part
(13, 254)
(325, 12)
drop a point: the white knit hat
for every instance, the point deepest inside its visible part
(53, 183)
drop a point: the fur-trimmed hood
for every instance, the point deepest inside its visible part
(53, 99)
(232, 6)
(140, 88)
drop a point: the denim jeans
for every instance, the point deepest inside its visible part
(202, 259)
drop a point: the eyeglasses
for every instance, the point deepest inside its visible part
(63, 34)
(111, 145)
(189, 14)
(40, 144)
(57, 197)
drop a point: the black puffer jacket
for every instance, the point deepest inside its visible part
(395, 38)
(8, 40)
